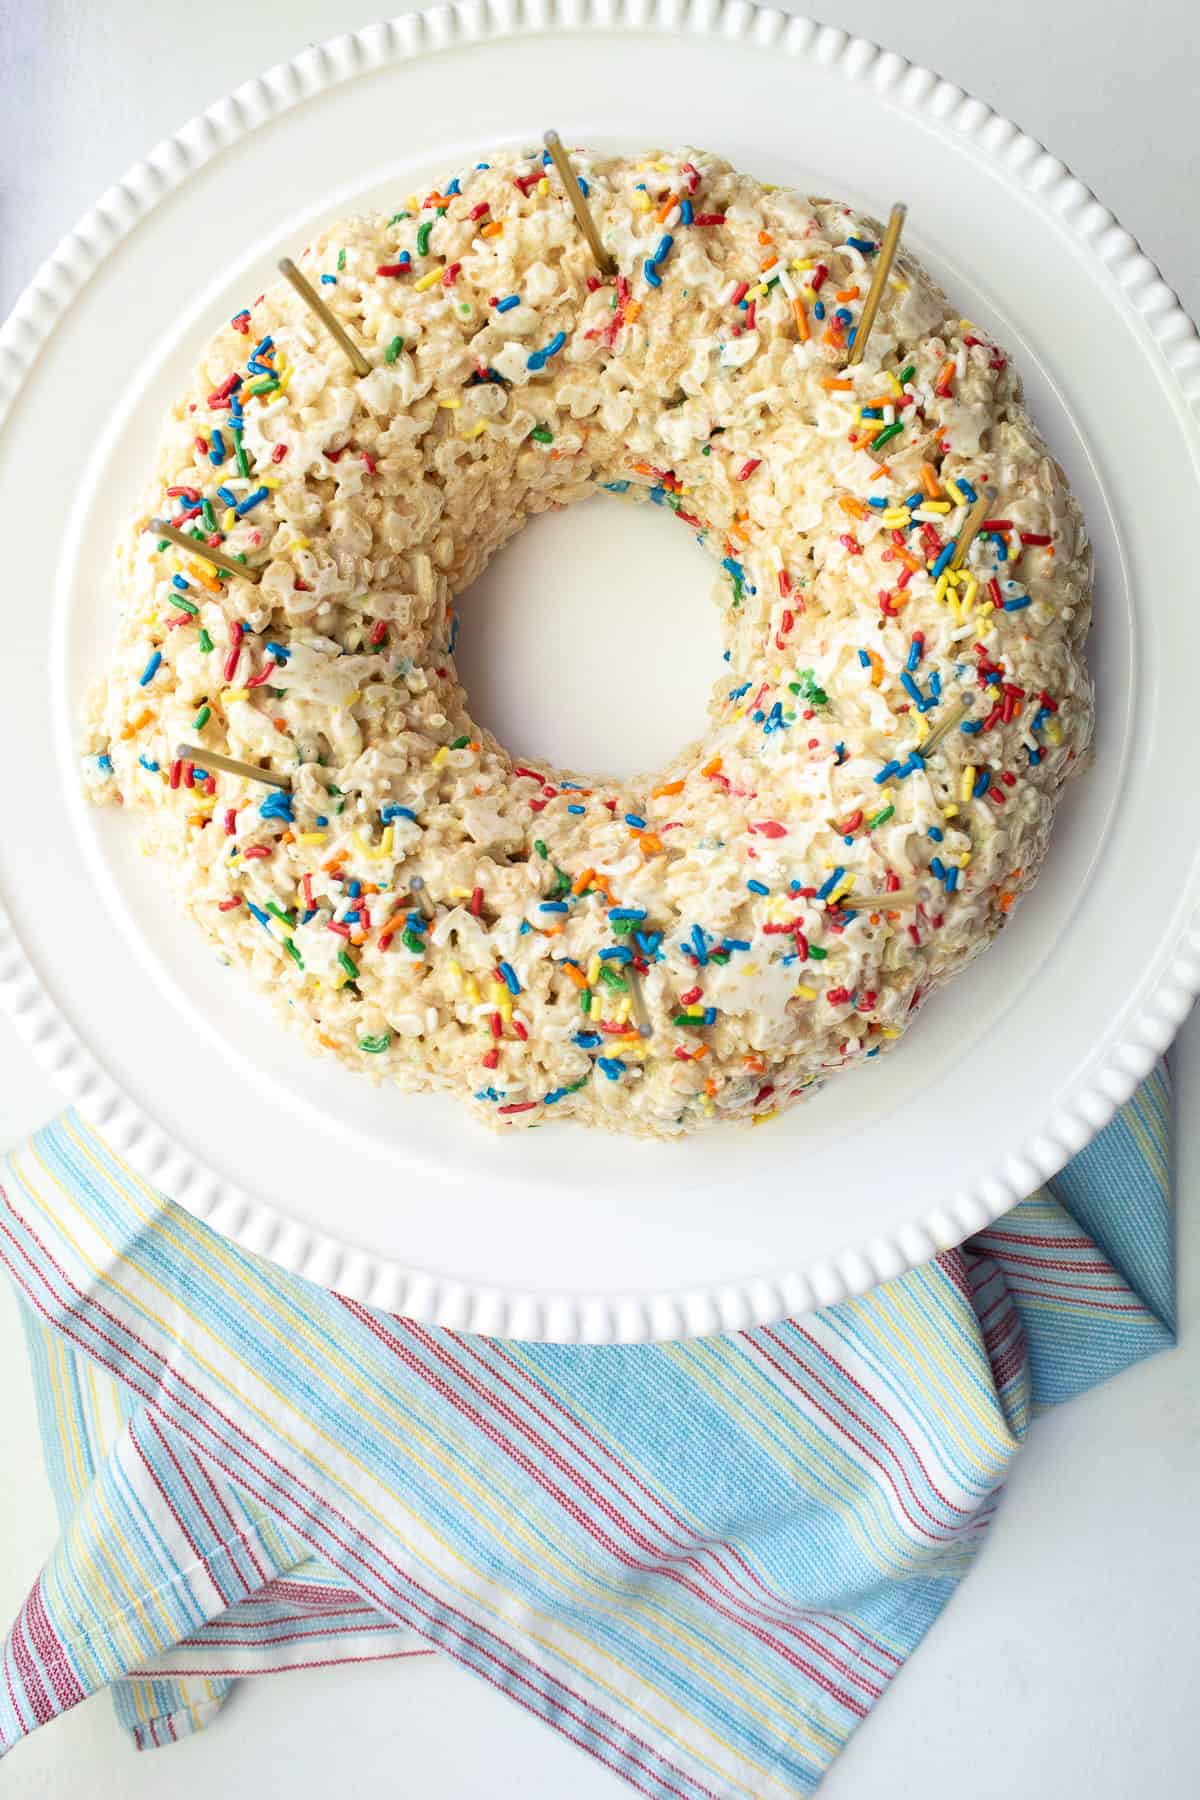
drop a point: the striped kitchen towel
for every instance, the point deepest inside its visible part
(703, 1562)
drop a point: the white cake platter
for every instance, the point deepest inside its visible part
(560, 1233)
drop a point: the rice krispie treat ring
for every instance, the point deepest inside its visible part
(664, 952)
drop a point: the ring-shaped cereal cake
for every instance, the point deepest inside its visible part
(674, 950)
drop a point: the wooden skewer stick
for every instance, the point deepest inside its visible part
(971, 524)
(228, 565)
(425, 905)
(327, 316)
(909, 896)
(229, 765)
(641, 1016)
(587, 224)
(954, 717)
(883, 264)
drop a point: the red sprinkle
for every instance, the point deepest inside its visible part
(278, 453)
(477, 212)
(335, 925)
(176, 772)
(770, 828)
(476, 905)
(838, 996)
(747, 469)
(230, 820)
(189, 777)
(1036, 538)
(264, 674)
(709, 219)
(996, 525)
(256, 851)
(516, 1106)
(521, 1031)
(379, 631)
(451, 275)
(306, 884)
(491, 1058)
(530, 774)
(690, 998)
(235, 644)
(497, 1024)
(228, 905)
(396, 268)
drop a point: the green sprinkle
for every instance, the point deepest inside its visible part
(411, 941)
(206, 642)
(688, 1019)
(202, 717)
(612, 980)
(817, 954)
(396, 218)
(460, 743)
(423, 232)
(373, 1045)
(292, 951)
(541, 436)
(540, 847)
(908, 373)
(718, 956)
(208, 515)
(707, 450)
(163, 544)
(341, 261)
(562, 883)
(285, 918)
(186, 606)
(393, 350)
(622, 927)
(887, 434)
(585, 1000)
(881, 818)
(242, 460)
(806, 684)
(347, 964)
(266, 386)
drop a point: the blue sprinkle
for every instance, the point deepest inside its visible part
(983, 782)
(524, 928)
(917, 499)
(279, 652)
(555, 1094)
(885, 774)
(951, 880)
(510, 977)
(968, 490)
(310, 912)
(617, 487)
(827, 888)
(251, 501)
(415, 922)
(1035, 757)
(871, 412)
(938, 867)
(635, 819)
(1016, 605)
(177, 581)
(148, 763)
(943, 560)
(699, 945)
(583, 186)
(844, 315)
(651, 273)
(839, 750)
(912, 690)
(454, 187)
(588, 1040)
(199, 774)
(612, 1066)
(866, 245)
(915, 761)
(329, 281)
(556, 906)
(758, 887)
(879, 504)
(354, 889)
(819, 309)
(576, 809)
(971, 726)
(935, 687)
(1001, 547)
(277, 805)
(664, 248)
(351, 918)
(710, 1013)
(225, 494)
(263, 345)
(626, 912)
(104, 761)
(732, 944)
(321, 819)
(733, 568)
(507, 304)
(936, 833)
(864, 660)
(388, 813)
(914, 654)
(686, 215)
(151, 669)
(262, 917)
(218, 452)
(616, 953)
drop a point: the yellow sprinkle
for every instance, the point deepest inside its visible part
(300, 543)
(543, 186)
(967, 783)
(449, 404)
(889, 1031)
(593, 971)
(455, 969)
(756, 293)
(351, 700)
(951, 486)
(471, 989)
(761, 1118)
(459, 893)
(473, 431)
(806, 993)
(428, 280)
(641, 202)
(964, 860)
(1053, 731)
(269, 481)
(936, 506)
(939, 592)
(923, 730)
(895, 515)
(234, 694)
(950, 812)
(311, 837)
(230, 519)
(440, 757)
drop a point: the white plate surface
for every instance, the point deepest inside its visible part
(561, 1233)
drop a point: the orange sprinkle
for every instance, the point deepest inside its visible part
(493, 228)
(668, 787)
(910, 562)
(135, 725)
(713, 767)
(1005, 901)
(280, 724)
(755, 1064)
(664, 211)
(710, 1086)
(768, 262)
(287, 837)
(800, 313)
(837, 387)
(328, 1042)
(205, 577)
(929, 480)
(853, 506)
(583, 881)
(764, 237)
(876, 667)
(652, 844)
(848, 294)
(573, 974)
(632, 311)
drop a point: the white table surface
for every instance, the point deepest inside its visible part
(1068, 1664)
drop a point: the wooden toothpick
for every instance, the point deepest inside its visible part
(641, 1016)
(587, 224)
(327, 316)
(971, 525)
(229, 765)
(883, 264)
(228, 565)
(902, 897)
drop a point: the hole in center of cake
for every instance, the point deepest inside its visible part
(591, 641)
